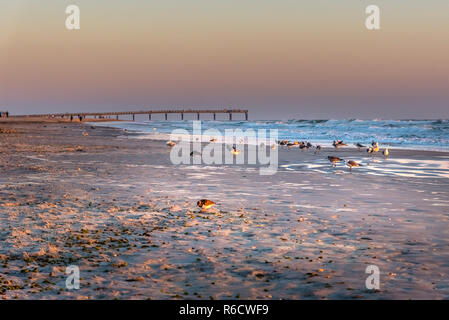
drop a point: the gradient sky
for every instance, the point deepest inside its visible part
(279, 58)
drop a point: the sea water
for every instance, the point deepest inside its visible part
(409, 134)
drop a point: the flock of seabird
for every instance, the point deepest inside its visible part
(334, 160)
(374, 148)
(305, 145)
(235, 151)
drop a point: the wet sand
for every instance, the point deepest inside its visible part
(96, 197)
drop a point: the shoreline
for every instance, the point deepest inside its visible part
(139, 134)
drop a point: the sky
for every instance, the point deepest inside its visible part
(281, 59)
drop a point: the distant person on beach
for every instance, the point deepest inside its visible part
(71, 118)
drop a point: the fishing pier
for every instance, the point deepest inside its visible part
(84, 116)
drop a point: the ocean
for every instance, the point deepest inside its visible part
(408, 134)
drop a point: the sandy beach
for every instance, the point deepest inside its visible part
(98, 198)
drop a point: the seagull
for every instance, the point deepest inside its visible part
(318, 149)
(370, 150)
(375, 146)
(334, 160)
(205, 204)
(352, 163)
(386, 152)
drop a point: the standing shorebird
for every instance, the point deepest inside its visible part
(283, 142)
(374, 147)
(352, 163)
(386, 153)
(235, 151)
(205, 204)
(171, 143)
(334, 160)
(338, 144)
(318, 149)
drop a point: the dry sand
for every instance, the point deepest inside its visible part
(95, 197)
